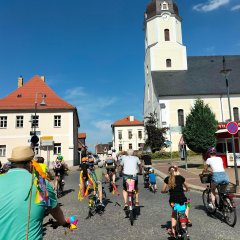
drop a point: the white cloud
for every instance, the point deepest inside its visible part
(210, 5)
(103, 125)
(236, 8)
(74, 93)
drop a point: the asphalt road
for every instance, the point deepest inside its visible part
(150, 224)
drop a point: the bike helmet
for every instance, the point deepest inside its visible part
(212, 150)
(84, 159)
(151, 170)
(59, 157)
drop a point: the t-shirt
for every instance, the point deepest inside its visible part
(130, 165)
(147, 159)
(177, 193)
(215, 163)
(152, 178)
(14, 199)
(99, 172)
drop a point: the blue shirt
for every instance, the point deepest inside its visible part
(14, 201)
(152, 178)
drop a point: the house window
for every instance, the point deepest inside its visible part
(168, 62)
(35, 121)
(140, 134)
(119, 134)
(130, 146)
(235, 114)
(3, 122)
(57, 121)
(57, 148)
(19, 121)
(2, 150)
(166, 35)
(120, 147)
(129, 134)
(180, 117)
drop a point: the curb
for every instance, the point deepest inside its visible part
(191, 186)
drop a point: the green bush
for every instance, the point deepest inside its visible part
(167, 155)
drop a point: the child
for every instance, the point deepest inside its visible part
(175, 184)
(152, 179)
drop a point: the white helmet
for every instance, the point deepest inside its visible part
(151, 170)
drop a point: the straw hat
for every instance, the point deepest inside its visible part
(21, 154)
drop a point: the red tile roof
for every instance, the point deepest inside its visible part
(126, 122)
(24, 97)
(82, 135)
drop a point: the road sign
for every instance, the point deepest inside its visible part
(232, 127)
(168, 143)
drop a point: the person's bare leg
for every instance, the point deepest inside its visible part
(113, 178)
(173, 222)
(100, 195)
(213, 194)
(125, 196)
(137, 198)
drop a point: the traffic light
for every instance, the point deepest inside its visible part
(34, 139)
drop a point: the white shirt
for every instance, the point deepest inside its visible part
(130, 165)
(216, 164)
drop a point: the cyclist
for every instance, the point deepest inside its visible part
(176, 185)
(110, 165)
(131, 165)
(219, 175)
(59, 170)
(152, 178)
(100, 172)
(147, 164)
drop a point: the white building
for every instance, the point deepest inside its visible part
(128, 133)
(173, 81)
(56, 122)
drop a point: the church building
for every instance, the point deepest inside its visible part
(173, 80)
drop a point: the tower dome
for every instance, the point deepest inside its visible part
(158, 7)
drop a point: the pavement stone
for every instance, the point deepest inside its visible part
(191, 173)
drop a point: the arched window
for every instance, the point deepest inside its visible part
(180, 117)
(166, 35)
(235, 114)
(168, 63)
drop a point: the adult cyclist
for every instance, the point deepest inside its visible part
(59, 170)
(110, 165)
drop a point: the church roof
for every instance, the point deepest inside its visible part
(23, 98)
(155, 8)
(203, 77)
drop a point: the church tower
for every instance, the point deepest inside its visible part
(164, 50)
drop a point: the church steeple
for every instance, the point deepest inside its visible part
(163, 37)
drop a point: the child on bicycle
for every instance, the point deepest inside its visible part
(175, 183)
(100, 172)
(59, 170)
(152, 178)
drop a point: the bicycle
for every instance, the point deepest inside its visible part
(94, 204)
(224, 202)
(146, 177)
(181, 222)
(131, 199)
(60, 185)
(112, 186)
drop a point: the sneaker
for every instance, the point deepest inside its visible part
(125, 207)
(211, 205)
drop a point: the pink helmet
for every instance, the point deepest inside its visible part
(212, 150)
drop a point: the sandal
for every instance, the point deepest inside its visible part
(137, 204)
(125, 207)
(189, 223)
(170, 233)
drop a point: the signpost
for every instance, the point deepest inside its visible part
(47, 141)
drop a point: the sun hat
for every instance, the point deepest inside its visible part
(21, 154)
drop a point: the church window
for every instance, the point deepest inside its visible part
(166, 35)
(235, 114)
(180, 117)
(168, 63)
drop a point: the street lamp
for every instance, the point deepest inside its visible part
(225, 72)
(35, 139)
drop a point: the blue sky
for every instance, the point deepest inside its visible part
(92, 52)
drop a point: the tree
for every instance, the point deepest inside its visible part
(155, 139)
(200, 128)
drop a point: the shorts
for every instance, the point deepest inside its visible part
(220, 177)
(126, 177)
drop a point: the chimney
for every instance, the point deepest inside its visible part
(43, 78)
(20, 81)
(131, 118)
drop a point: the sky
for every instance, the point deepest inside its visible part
(92, 52)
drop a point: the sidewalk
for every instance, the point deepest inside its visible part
(191, 174)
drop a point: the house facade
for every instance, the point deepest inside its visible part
(35, 108)
(173, 80)
(128, 133)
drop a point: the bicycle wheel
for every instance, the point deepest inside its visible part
(185, 236)
(131, 217)
(206, 196)
(229, 212)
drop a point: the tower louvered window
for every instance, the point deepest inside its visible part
(168, 63)
(166, 35)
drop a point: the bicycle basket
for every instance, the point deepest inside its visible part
(205, 177)
(227, 188)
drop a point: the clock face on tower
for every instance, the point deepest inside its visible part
(165, 17)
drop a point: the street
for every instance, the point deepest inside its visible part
(150, 224)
